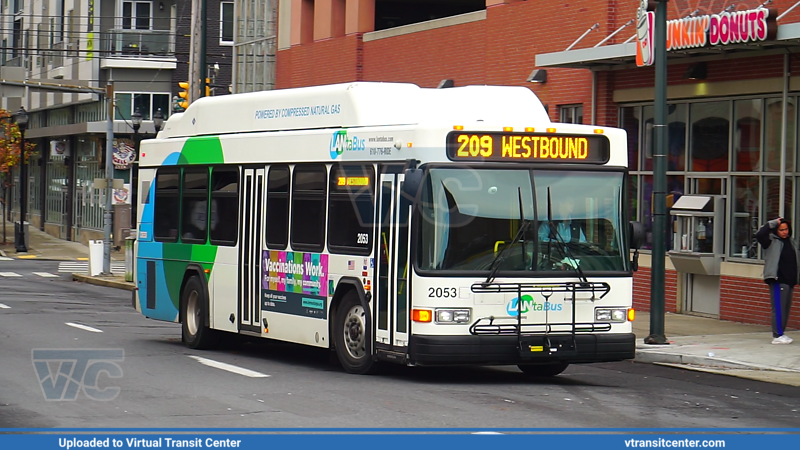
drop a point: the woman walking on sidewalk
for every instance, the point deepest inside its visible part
(781, 272)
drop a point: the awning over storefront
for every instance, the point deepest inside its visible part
(624, 55)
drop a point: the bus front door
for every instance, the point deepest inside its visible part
(250, 250)
(391, 290)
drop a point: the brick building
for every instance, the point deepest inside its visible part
(725, 125)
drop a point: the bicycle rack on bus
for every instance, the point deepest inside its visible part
(535, 340)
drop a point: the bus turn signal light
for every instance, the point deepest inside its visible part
(631, 315)
(421, 315)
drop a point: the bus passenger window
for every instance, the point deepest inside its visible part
(278, 207)
(351, 208)
(167, 205)
(224, 220)
(308, 207)
(194, 220)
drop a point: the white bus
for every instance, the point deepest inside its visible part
(389, 222)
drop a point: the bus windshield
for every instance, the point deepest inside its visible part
(470, 218)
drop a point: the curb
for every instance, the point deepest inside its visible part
(690, 360)
(103, 282)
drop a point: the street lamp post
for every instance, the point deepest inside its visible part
(21, 118)
(136, 120)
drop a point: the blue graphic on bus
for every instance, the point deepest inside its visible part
(340, 143)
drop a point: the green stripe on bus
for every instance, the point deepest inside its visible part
(202, 150)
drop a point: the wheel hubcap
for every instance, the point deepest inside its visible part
(193, 313)
(354, 332)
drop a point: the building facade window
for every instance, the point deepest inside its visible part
(729, 147)
(148, 104)
(570, 113)
(137, 15)
(226, 23)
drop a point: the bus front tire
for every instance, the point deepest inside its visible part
(194, 333)
(350, 336)
(543, 370)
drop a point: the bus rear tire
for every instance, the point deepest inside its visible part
(194, 333)
(350, 336)
(543, 370)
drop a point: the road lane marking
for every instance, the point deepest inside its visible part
(84, 327)
(26, 256)
(229, 367)
(45, 275)
(9, 274)
(3, 258)
(2, 306)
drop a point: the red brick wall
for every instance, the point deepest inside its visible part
(428, 57)
(641, 290)
(747, 300)
(329, 61)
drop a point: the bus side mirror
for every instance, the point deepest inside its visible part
(637, 234)
(637, 240)
(412, 182)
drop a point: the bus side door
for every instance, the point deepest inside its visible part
(391, 312)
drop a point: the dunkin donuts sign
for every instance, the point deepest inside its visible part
(735, 27)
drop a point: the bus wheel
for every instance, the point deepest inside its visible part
(350, 335)
(543, 370)
(193, 302)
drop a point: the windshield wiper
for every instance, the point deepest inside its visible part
(567, 251)
(524, 224)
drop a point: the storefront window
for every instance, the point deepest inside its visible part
(676, 137)
(772, 135)
(709, 136)
(629, 121)
(747, 135)
(745, 217)
(771, 198)
(675, 188)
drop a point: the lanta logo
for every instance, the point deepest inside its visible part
(340, 143)
(528, 304)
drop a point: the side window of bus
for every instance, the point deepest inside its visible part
(351, 209)
(194, 220)
(308, 207)
(224, 220)
(278, 207)
(167, 205)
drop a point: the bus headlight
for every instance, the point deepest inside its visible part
(452, 315)
(611, 315)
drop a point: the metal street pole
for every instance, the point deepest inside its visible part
(21, 118)
(657, 335)
(109, 179)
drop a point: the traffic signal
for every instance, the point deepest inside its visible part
(208, 87)
(184, 94)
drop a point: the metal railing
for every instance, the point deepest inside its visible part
(136, 43)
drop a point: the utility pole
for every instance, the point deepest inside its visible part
(203, 69)
(657, 335)
(109, 179)
(197, 44)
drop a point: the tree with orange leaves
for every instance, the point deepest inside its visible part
(10, 144)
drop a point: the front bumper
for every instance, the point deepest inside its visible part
(447, 350)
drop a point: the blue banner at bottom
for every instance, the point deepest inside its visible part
(398, 439)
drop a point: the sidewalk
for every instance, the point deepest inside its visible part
(696, 343)
(718, 346)
(46, 247)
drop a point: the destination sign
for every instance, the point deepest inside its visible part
(527, 147)
(352, 181)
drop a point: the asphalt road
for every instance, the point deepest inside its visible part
(164, 384)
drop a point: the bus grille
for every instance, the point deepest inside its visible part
(489, 326)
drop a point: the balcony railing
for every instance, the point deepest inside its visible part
(138, 43)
